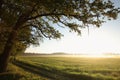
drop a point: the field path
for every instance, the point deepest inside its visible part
(51, 74)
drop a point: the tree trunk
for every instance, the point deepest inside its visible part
(1, 3)
(4, 57)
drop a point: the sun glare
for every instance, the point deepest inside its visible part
(96, 55)
(100, 40)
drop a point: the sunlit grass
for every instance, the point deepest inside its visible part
(98, 67)
(17, 73)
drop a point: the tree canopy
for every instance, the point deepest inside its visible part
(36, 19)
(42, 14)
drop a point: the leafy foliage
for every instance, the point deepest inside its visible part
(38, 14)
(23, 40)
(37, 17)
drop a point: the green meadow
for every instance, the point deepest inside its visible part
(65, 68)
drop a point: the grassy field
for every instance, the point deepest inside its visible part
(71, 68)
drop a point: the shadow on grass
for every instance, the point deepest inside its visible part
(10, 76)
(50, 73)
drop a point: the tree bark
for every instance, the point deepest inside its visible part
(1, 3)
(4, 57)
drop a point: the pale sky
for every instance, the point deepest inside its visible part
(105, 39)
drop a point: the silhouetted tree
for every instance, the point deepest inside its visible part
(40, 15)
(23, 40)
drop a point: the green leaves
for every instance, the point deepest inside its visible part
(74, 27)
(38, 19)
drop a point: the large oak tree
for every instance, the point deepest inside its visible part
(40, 15)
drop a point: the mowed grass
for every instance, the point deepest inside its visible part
(72, 68)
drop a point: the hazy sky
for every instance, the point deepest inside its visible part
(105, 39)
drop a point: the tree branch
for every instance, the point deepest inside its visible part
(50, 14)
(38, 29)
